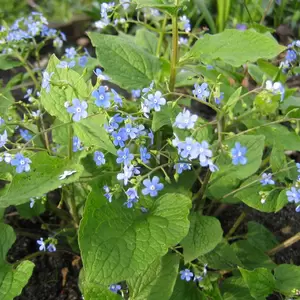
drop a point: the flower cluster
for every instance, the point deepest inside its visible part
(188, 275)
(51, 247)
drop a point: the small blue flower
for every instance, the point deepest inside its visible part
(70, 52)
(102, 97)
(99, 158)
(132, 197)
(78, 110)
(46, 81)
(28, 93)
(115, 288)
(198, 278)
(22, 163)
(120, 137)
(267, 179)
(298, 167)
(25, 135)
(293, 195)
(148, 89)
(82, 61)
(42, 245)
(145, 155)
(124, 156)
(241, 27)
(2, 122)
(76, 144)
(219, 99)
(204, 153)
(201, 91)
(183, 41)
(276, 88)
(136, 94)
(152, 186)
(125, 3)
(3, 139)
(117, 99)
(131, 132)
(151, 136)
(98, 72)
(113, 123)
(32, 202)
(188, 148)
(64, 64)
(186, 274)
(128, 172)
(155, 101)
(291, 55)
(238, 154)
(108, 195)
(212, 167)
(186, 23)
(51, 248)
(185, 120)
(180, 167)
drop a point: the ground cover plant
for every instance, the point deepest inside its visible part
(133, 148)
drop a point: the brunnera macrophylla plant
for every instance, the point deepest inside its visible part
(144, 144)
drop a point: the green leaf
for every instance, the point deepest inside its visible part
(42, 178)
(147, 40)
(256, 73)
(98, 291)
(235, 288)
(164, 5)
(233, 99)
(251, 257)
(186, 291)
(27, 212)
(157, 281)
(260, 281)
(91, 132)
(128, 65)
(204, 235)
(12, 280)
(6, 100)
(278, 161)
(229, 176)
(275, 201)
(117, 243)
(234, 47)
(6, 62)
(222, 257)
(260, 237)
(66, 85)
(287, 278)
(275, 134)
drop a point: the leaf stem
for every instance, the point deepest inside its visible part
(161, 36)
(174, 55)
(289, 242)
(236, 224)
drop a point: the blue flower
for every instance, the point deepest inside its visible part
(188, 148)
(3, 139)
(141, 130)
(212, 167)
(70, 52)
(148, 89)
(2, 122)
(113, 123)
(99, 158)
(98, 72)
(180, 167)
(51, 248)
(186, 23)
(64, 64)
(120, 137)
(117, 99)
(114, 288)
(124, 156)
(219, 99)
(204, 153)
(82, 61)
(25, 135)
(78, 110)
(108, 195)
(22, 163)
(185, 120)
(128, 172)
(102, 97)
(238, 154)
(131, 132)
(267, 179)
(32, 202)
(152, 186)
(276, 88)
(201, 91)
(136, 94)
(42, 245)
(293, 195)
(183, 41)
(28, 93)
(46, 81)
(132, 197)
(76, 144)
(125, 3)
(298, 167)
(151, 136)
(155, 101)
(145, 155)
(291, 55)
(186, 274)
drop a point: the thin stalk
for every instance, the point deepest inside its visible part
(73, 208)
(199, 198)
(294, 239)
(266, 12)
(70, 147)
(161, 36)
(236, 224)
(174, 56)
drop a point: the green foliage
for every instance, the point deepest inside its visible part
(234, 47)
(235, 288)
(12, 279)
(287, 278)
(130, 66)
(147, 40)
(204, 235)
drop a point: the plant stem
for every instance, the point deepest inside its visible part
(161, 36)
(265, 12)
(70, 147)
(199, 198)
(174, 55)
(294, 239)
(236, 224)
(73, 208)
